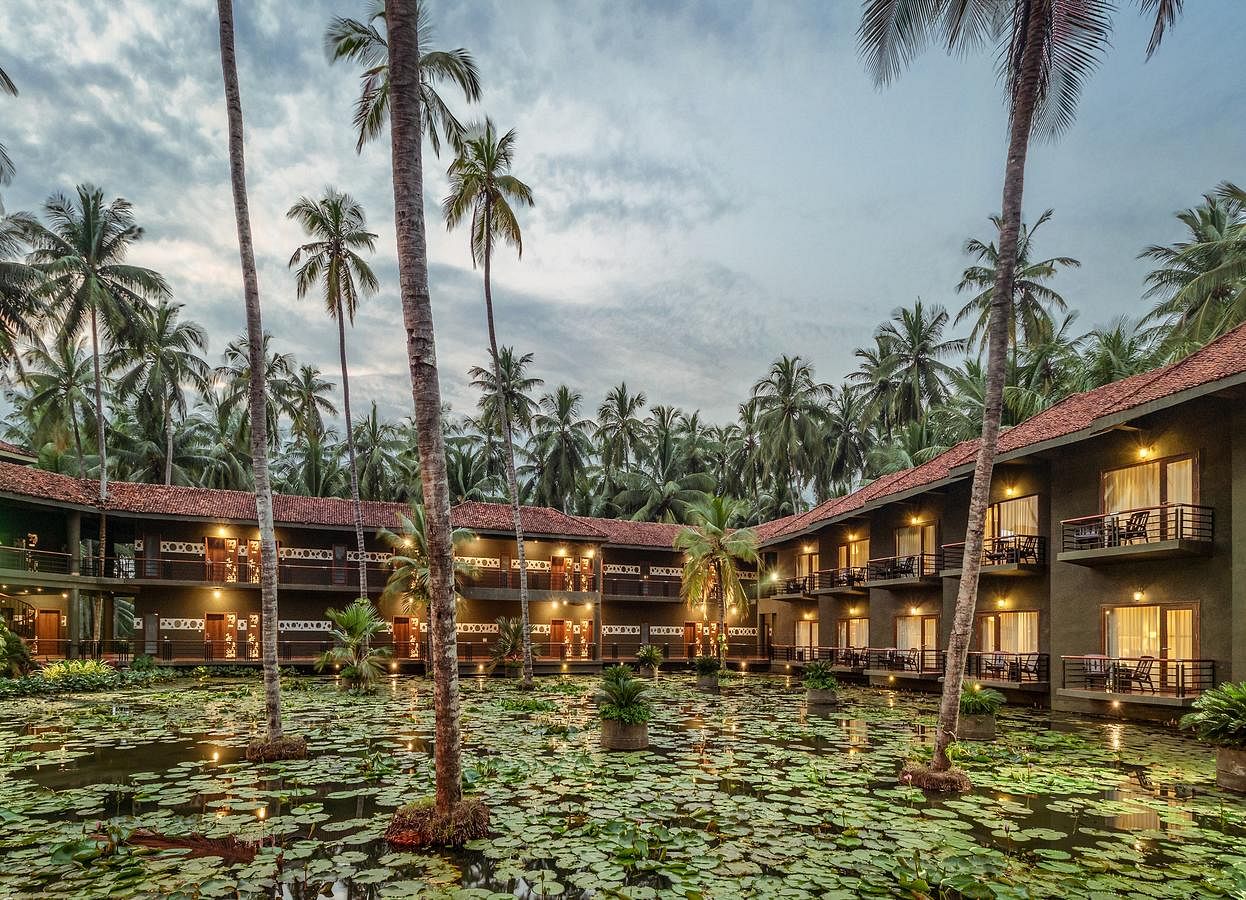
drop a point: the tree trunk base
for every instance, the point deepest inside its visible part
(951, 781)
(275, 751)
(420, 825)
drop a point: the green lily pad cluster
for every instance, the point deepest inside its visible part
(743, 793)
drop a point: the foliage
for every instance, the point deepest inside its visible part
(715, 553)
(507, 650)
(356, 661)
(15, 658)
(410, 580)
(819, 676)
(527, 704)
(707, 665)
(980, 701)
(79, 676)
(143, 663)
(649, 656)
(622, 698)
(1219, 715)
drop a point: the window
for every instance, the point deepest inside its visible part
(917, 632)
(806, 633)
(1008, 632)
(1011, 517)
(1166, 632)
(917, 542)
(1141, 486)
(852, 633)
(854, 554)
(806, 563)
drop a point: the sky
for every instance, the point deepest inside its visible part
(716, 183)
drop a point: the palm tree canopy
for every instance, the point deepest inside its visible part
(410, 582)
(338, 228)
(714, 549)
(481, 184)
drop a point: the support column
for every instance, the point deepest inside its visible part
(73, 540)
(1237, 544)
(598, 569)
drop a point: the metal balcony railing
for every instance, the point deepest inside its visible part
(1138, 675)
(1136, 527)
(1011, 549)
(1018, 668)
(642, 587)
(913, 565)
(829, 579)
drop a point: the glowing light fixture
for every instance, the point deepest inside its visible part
(1139, 596)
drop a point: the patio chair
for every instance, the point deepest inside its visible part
(905, 567)
(1027, 667)
(998, 551)
(1027, 549)
(1135, 528)
(1140, 675)
(1095, 672)
(1088, 536)
(911, 661)
(995, 664)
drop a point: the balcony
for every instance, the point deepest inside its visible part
(1142, 679)
(843, 659)
(1024, 671)
(893, 663)
(498, 579)
(785, 588)
(661, 588)
(847, 580)
(915, 568)
(1013, 554)
(1155, 532)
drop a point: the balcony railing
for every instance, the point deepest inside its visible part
(625, 651)
(830, 579)
(914, 565)
(840, 657)
(42, 561)
(1132, 527)
(1148, 675)
(537, 581)
(1016, 668)
(642, 587)
(780, 587)
(1011, 549)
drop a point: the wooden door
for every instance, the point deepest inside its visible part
(558, 573)
(557, 636)
(151, 556)
(690, 639)
(215, 558)
(339, 564)
(47, 631)
(402, 637)
(214, 634)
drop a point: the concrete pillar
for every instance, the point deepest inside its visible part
(1237, 543)
(75, 610)
(598, 569)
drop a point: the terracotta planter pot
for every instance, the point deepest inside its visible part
(617, 736)
(707, 683)
(976, 728)
(1231, 769)
(826, 699)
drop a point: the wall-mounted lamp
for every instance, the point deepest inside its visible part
(216, 593)
(592, 552)
(1001, 602)
(808, 548)
(913, 520)
(1144, 452)
(1139, 596)
(1010, 490)
(913, 610)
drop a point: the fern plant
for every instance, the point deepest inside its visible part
(1219, 716)
(820, 677)
(707, 665)
(622, 698)
(979, 701)
(649, 656)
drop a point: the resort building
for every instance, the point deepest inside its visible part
(1113, 573)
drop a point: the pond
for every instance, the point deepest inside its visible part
(746, 793)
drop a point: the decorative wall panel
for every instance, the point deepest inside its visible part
(620, 569)
(191, 548)
(181, 624)
(666, 571)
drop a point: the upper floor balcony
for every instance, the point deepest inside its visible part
(576, 582)
(911, 568)
(1012, 554)
(844, 580)
(1154, 532)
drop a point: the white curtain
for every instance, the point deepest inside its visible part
(1135, 487)
(909, 540)
(908, 632)
(1133, 631)
(1011, 517)
(1180, 625)
(1018, 632)
(858, 632)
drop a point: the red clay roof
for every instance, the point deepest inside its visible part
(636, 534)
(7, 449)
(542, 520)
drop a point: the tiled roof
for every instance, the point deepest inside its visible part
(636, 534)
(537, 520)
(7, 449)
(26, 481)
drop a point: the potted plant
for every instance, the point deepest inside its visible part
(978, 706)
(649, 659)
(1219, 717)
(624, 710)
(707, 668)
(821, 685)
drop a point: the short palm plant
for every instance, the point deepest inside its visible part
(508, 649)
(707, 665)
(649, 656)
(358, 663)
(820, 677)
(1219, 716)
(980, 701)
(622, 698)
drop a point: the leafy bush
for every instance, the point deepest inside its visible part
(1219, 715)
(707, 665)
(819, 677)
(649, 656)
(527, 704)
(980, 701)
(507, 650)
(76, 676)
(622, 697)
(143, 663)
(14, 654)
(359, 664)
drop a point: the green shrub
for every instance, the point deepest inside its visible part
(622, 697)
(75, 676)
(527, 704)
(707, 665)
(15, 658)
(1219, 715)
(819, 677)
(143, 663)
(980, 701)
(649, 656)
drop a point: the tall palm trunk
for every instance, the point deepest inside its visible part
(512, 481)
(722, 609)
(99, 437)
(350, 453)
(997, 354)
(73, 421)
(417, 317)
(257, 394)
(168, 441)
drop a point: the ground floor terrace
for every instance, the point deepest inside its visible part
(743, 793)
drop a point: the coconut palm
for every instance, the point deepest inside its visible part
(364, 41)
(1033, 302)
(620, 429)
(409, 585)
(790, 413)
(353, 658)
(1046, 49)
(256, 369)
(915, 349)
(1200, 284)
(308, 401)
(659, 490)
(406, 96)
(846, 441)
(516, 389)
(21, 305)
(482, 186)
(159, 368)
(332, 261)
(312, 466)
(220, 430)
(714, 553)
(56, 396)
(468, 471)
(378, 447)
(1115, 351)
(145, 451)
(561, 447)
(6, 165)
(277, 375)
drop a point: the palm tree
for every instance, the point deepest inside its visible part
(1032, 300)
(365, 42)
(1200, 285)
(309, 402)
(714, 550)
(6, 165)
(256, 372)
(359, 664)
(915, 349)
(220, 430)
(1115, 351)
(505, 393)
(82, 255)
(659, 491)
(277, 377)
(406, 96)
(21, 306)
(312, 466)
(57, 400)
(378, 446)
(790, 407)
(157, 371)
(409, 586)
(481, 184)
(1046, 50)
(338, 229)
(620, 429)
(876, 380)
(846, 441)
(561, 447)
(468, 472)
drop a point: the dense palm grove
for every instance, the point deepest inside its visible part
(172, 414)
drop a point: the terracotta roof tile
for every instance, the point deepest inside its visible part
(542, 520)
(8, 449)
(636, 534)
(30, 482)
